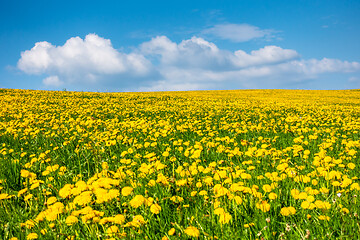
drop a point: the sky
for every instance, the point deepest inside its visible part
(110, 46)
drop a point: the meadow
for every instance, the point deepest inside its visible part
(241, 164)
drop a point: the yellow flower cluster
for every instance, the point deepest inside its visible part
(178, 165)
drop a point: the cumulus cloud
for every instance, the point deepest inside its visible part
(161, 64)
(199, 53)
(79, 58)
(239, 32)
(52, 81)
(198, 64)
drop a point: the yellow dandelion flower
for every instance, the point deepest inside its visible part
(192, 231)
(225, 218)
(249, 225)
(203, 192)
(302, 195)
(70, 220)
(323, 217)
(126, 191)
(31, 236)
(272, 196)
(351, 165)
(27, 197)
(238, 200)
(137, 201)
(171, 231)
(65, 191)
(286, 211)
(305, 204)
(263, 206)
(181, 182)
(155, 208)
(112, 229)
(193, 193)
(220, 190)
(295, 193)
(119, 219)
(138, 220)
(22, 191)
(345, 210)
(219, 211)
(51, 200)
(5, 196)
(267, 188)
(83, 199)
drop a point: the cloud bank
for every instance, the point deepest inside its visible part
(161, 64)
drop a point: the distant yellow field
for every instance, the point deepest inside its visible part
(241, 164)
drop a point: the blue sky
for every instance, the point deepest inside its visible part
(190, 45)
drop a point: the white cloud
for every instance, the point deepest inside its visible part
(199, 53)
(53, 81)
(198, 64)
(161, 64)
(266, 55)
(77, 58)
(239, 32)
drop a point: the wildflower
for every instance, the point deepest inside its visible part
(267, 188)
(112, 229)
(192, 231)
(322, 205)
(181, 182)
(323, 217)
(83, 199)
(286, 211)
(65, 191)
(272, 196)
(345, 210)
(70, 220)
(119, 219)
(126, 191)
(22, 191)
(238, 200)
(31, 236)
(28, 224)
(263, 206)
(219, 211)
(137, 221)
(51, 200)
(202, 193)
(137, 201)
(351, 165)
(151, 183)
(27, 197)
(177, 199)
(5, 196)
(171, 231)
(155, 208)
(219, 190)
(249, 225)
(225, 218)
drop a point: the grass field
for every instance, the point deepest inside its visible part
(247, 164)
